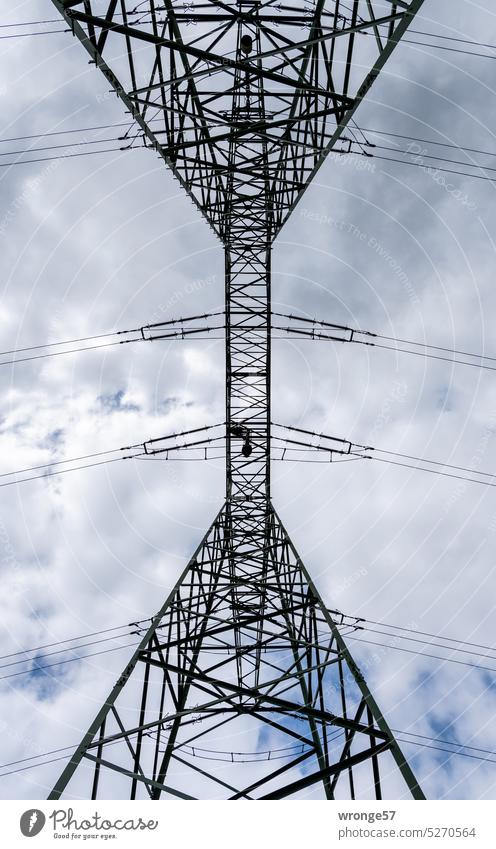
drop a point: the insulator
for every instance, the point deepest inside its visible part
(247, 448)
(246, 44)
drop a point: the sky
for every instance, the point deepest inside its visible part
(96, 243)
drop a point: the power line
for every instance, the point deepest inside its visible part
(423, 654)
(62, 471)
(344, 447)
(418, 164)
(236, 371)
(162, 330)
(311, 450)
(341, 333)
(423, 33)
(448, 49)
(455, 39)
(64, 342)
(131, 124)
(45, 134)
(425, 141)
(73, 639)
(439, 358)
(418, 158)
(357, 623)
(64, 156)
(435, 347)
(360, 627)
(437, 463)
(432, 462)
(415, 631)
(430, 156)
(436, 472)
(446, 742)
(448, 751)
(45, 654)
(66, 660)
(61, 462)
(171, 338)
(147, 448)
(83, 143)
(29, 34)
(349, 153)
(30, 23)
(141, 456)
(470, 753)
(420, 740)
(115, 648)
(62, 353)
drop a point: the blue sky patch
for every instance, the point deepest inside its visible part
(114, 403)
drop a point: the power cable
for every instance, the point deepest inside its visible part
(72, 640)
(147, 448)
(434, 471)
(45, 654)
(61, 462)
(357, 623)
(341, 333)
(417, 631)
(64, 156)
(140, 456)
(62, 353)
(418, 164)
(168, 333)
(29, 34)
(404, 40)
(423, 654)
(450, 145)
(346, 447)
(446, 742)
(83, 143)
(46, 134)
(310, 449)
(130, 124)
(449, 751)
(361, 627)
(66, 660)
(470, 753)
(62, 471)
(35, 669)
(428, 156)
(30, 23)
(351, 152)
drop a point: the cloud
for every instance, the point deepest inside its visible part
(114, 403)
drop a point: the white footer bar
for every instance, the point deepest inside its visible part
(244, 825)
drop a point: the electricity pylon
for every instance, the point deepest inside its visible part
(243, 686)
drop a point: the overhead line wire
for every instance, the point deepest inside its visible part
(353, 332)
(356, 624)
(423, 654)
(404, 40)
(425, 154)
(74, 639)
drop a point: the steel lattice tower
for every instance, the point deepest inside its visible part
(242, 686)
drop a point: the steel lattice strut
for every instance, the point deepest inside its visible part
(243, 665)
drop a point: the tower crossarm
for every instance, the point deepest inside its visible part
(177, 68)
